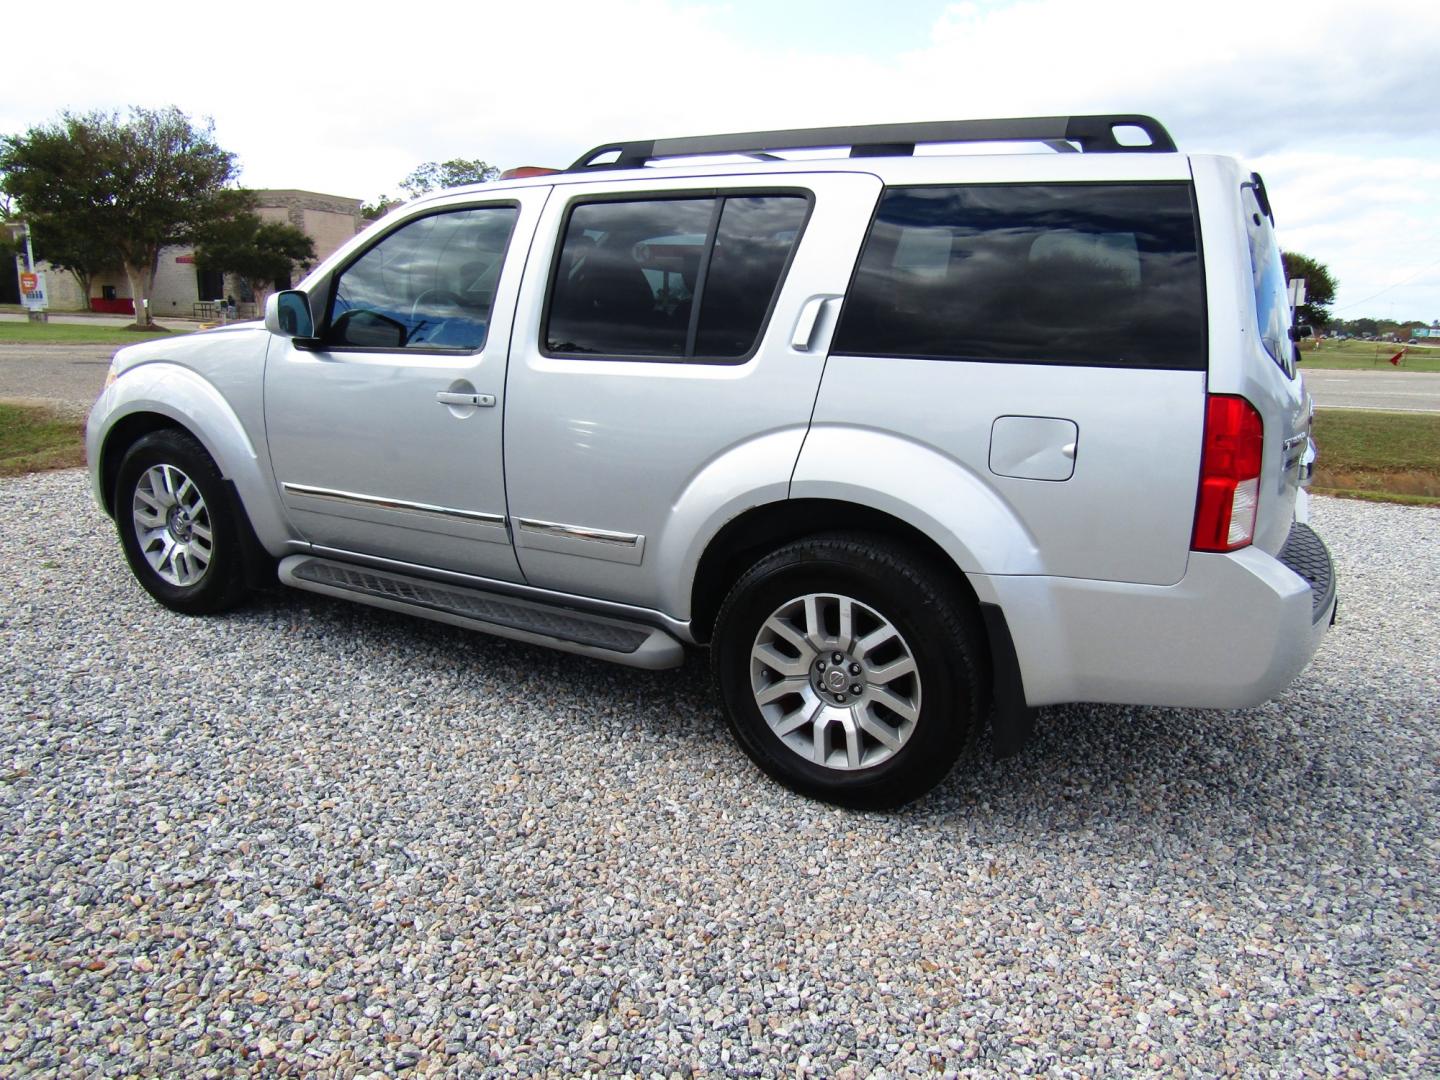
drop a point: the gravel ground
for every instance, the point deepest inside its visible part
(316, 837)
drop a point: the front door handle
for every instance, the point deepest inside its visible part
(449, 397)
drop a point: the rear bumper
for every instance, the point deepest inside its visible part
(1234, 632)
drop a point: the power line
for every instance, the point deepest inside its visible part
(1382, 292)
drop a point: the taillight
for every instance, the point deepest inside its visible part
(1229, 474)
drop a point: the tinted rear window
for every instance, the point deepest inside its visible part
(1088, 274)
(671, 278)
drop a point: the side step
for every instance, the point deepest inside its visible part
(619, 641)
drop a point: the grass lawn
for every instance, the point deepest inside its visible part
(33, 438)
(1387, 456)
(1368, 355)
(28, 333)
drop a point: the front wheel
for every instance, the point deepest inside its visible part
(849, 670)
(178, 526)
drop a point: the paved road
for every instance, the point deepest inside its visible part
(69, 376)
(1404, 391)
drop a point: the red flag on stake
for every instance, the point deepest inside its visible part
(1396, 358)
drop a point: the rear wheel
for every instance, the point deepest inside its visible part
(178, 525)
(848, 670)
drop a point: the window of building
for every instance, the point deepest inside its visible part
(1086, 274)
(671, 279)
(428, 285)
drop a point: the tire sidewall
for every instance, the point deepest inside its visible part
(946, 707)
(217, 589)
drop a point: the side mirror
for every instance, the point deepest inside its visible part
(1301, 331)
(287, 314)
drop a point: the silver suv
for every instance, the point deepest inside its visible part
(911, 441)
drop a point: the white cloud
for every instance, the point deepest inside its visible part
(1330, 99)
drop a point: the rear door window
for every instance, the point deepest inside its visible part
(671, 278)
(1101, 275)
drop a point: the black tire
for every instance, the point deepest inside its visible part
(220, 584)
(938, 631)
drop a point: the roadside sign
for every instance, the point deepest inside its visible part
(32, 290)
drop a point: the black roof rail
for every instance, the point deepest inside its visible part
(1091, 134)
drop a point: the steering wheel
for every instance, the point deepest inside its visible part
(445, 296)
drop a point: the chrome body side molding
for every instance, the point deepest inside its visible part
(354, 498)
(621, 547)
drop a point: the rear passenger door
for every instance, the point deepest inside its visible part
(665, 366)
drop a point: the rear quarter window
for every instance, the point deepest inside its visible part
(1084, 274)
(1272, 295)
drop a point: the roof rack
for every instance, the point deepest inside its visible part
(1066, 134)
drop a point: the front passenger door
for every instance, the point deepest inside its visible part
(385, 439)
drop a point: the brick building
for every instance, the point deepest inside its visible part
(180, 284)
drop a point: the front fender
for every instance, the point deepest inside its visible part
(191, 402)
(912, 482)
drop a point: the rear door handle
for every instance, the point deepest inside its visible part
(803, 340)
(449, 397)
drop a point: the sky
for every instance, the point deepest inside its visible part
(1336, 104)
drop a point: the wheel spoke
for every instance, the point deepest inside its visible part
(820, 745)
(853, 747)
(197, 555)
(873, 725)
(778, 662)
(847, 624)
(794, 721)
(780, 688)
(145, 496)
(149, 519)
(897, 705)
(891, 671)
(875, 638)
(783, 629)
(814, 627)
(202, 531)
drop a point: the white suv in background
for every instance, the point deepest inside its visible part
(910, 441)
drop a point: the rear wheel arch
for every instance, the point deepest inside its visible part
(747, 539)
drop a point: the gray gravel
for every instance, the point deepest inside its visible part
(311, 836)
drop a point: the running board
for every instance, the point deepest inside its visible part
(617, 640)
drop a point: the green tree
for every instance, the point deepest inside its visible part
(1320, 287)
(259, 252)
(71, 244)
(457, 172)
(138, 185)
(382, 205)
